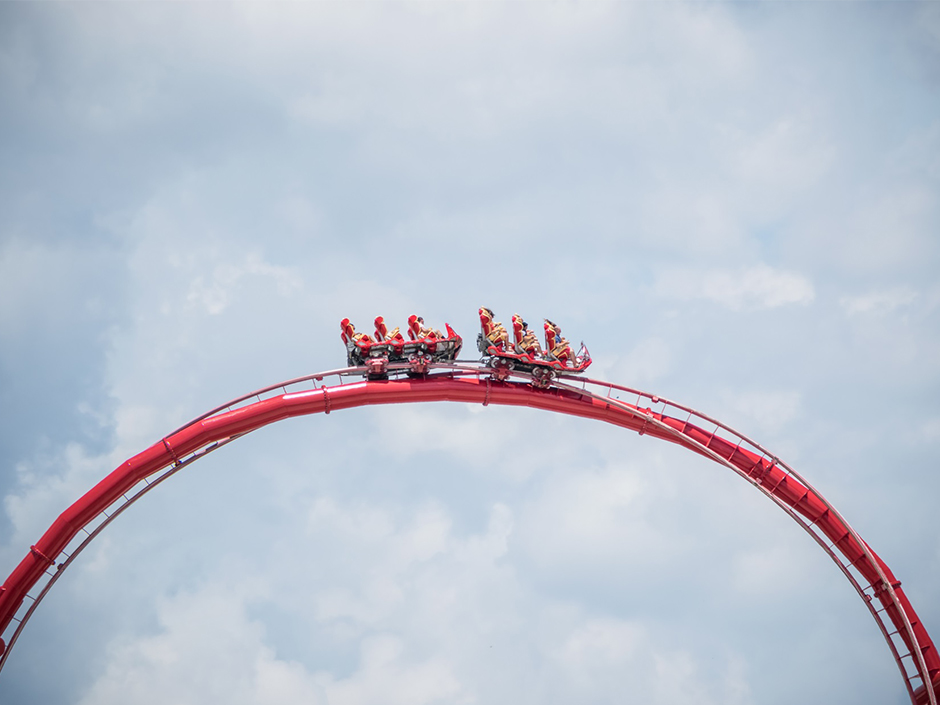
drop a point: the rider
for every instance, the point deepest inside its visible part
(349, 333)
(417, 330)
(427, 332)
(493, 331)
(555, 343)
(530, 341)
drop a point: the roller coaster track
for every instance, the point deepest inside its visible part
(473, 382)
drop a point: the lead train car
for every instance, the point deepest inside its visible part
(524, 354)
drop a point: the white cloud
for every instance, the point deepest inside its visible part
(395, 548)
(893, 228)
(415, 432)
(31, 271)
(930, 430)
(879, 303)
(602, 657)
(770, 410)
(770, 570)
(216, 294)
(679, 679)
(208, 650)
(773, 168)
(881, 228)
(602, 644)
(386, 677)
(582, 519)
(418, 433)
(747, 288)
(412, 648)
(919, 154)
(382, 80)
(646, 362)
(46, 487)
(783, 154)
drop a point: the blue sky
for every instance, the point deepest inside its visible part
(734, 205)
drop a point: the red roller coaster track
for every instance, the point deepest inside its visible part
(637, 411)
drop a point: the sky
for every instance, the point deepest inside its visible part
(735, 206)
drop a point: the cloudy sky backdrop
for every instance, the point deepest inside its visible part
(736, 206)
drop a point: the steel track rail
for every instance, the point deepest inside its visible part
(893, 614)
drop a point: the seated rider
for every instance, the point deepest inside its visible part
(382, 332)
(417, 330)
(349, 333)
(556, 344)
(427, 332)
(530, 341)
(526, 340)
(493, 331)
(517, 330)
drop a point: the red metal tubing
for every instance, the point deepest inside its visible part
(469, 389)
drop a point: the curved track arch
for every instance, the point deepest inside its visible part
(471, 382)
